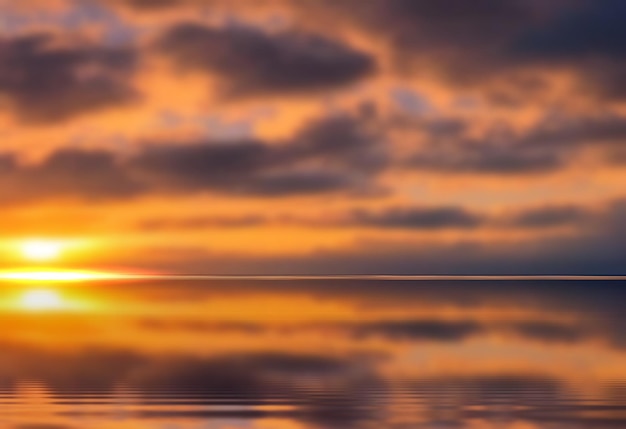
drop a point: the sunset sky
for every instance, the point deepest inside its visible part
(314, 136)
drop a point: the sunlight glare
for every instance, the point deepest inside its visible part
(41, 250)
(60, 276)
(40, 300)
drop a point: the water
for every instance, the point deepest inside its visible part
(301, 354)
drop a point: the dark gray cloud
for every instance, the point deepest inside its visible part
(74, 173)
(251, 62)
(333, 155)
(151, 4)
(473, 43)
(487, 157)
(449, 147)
(420, 24)
(417, 218)
(436, 330)
(597, 250)
(43, 81)
(148, 6)
(467, 43)
(238, 168)
(203, 165)
(585, 37)
(400, 217)
(604, 130)
(589, 28)
(548, 146)
(552, 216)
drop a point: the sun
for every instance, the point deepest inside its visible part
(41, 300)
(41, 250)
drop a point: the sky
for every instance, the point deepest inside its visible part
(316, 136)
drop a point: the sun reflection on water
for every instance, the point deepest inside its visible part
(48, 275)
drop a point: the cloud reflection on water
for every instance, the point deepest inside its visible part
(321, 354)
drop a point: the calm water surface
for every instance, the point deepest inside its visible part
(299, 354)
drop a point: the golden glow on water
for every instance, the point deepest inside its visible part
(42, 300)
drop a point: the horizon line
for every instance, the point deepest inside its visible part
(69, 275)
(370, 277)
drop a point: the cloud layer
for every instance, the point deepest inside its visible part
(402, 127)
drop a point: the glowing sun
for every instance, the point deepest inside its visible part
(41, 300)
(41, 250)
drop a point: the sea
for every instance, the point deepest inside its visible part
(194, 352)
